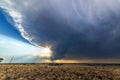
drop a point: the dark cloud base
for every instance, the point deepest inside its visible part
(101, 40)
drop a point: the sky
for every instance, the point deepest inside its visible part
(60, 30)
(12, 44)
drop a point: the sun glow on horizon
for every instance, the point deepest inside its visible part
(45, 53)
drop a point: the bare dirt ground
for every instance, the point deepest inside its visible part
(62, 72)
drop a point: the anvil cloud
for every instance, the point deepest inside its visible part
(74, 29)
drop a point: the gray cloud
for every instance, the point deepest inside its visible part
(74, 28)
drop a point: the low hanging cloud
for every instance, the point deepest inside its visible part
(74, 29)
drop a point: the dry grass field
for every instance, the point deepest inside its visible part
(55, 72)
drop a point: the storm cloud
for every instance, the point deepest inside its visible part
(74, 29)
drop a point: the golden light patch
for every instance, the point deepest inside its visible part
(66, 61)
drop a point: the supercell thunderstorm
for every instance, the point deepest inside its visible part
(73, 28)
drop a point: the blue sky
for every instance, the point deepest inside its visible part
(8, 29)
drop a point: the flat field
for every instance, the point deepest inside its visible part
(59, 72)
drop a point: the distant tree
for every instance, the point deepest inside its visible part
(1, 59)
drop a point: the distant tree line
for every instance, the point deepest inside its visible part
(1, 59)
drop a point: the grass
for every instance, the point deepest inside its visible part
(63, 72)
